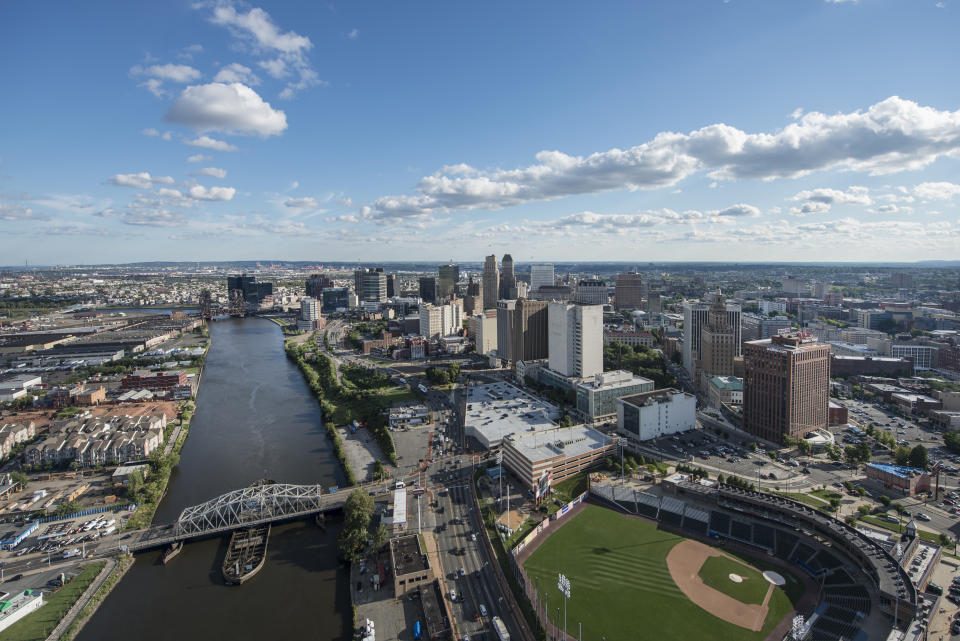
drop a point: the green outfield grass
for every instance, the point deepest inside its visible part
(716, 572)
(621, 587)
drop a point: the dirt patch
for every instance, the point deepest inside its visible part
(684, 562)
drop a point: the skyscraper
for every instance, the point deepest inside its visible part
(530, 330)
(505, 318)
(428, 289)
(447, 278)
(252, 292)
(391, 285)
(508, 281)
(491, 282)
(717, 342)
(628, 291)
(316, 283)
(591, 291)
(370, 283)
(541, 275)
(440, 320)
(575, 345)
(695, 316)
(787, 386)
(473, 301)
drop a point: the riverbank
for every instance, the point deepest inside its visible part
(90, 601)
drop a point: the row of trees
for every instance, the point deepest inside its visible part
(443, 375)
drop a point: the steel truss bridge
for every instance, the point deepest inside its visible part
(247, 507)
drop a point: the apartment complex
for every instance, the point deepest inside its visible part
(786, 390)
(98, 440)
(483, 327)
(153, 381)
(575, 339)
(440, 320)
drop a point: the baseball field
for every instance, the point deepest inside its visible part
(630, 580)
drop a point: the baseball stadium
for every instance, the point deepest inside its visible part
(696, 562)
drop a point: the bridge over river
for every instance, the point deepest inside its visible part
(247, 507)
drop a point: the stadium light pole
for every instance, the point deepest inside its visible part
(563, 584)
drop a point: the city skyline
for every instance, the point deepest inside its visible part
(227, 131)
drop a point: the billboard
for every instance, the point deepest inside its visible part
(543, 486)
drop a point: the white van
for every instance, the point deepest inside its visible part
(399, 485)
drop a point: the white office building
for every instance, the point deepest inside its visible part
(575, 346)
(483, 327)
(440, 320)
(541, 275)
(654, 414)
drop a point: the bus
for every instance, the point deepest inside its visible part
(501, 629)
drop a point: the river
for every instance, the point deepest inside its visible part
(255, 419)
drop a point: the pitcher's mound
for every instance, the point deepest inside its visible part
(774, 577)
(736, 578)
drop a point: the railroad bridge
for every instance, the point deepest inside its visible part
(247, 507)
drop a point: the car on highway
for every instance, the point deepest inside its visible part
(923, 516)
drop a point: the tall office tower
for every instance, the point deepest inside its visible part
(591, 292)
(628, 291)
(483, 326)
(505, 318)
(786, 389)
(530, 330)
(541, 275)
(309, 309)
(695, 316)
(508, 281)
(370, 283)
(820, 289)
(473, 301)
(391, 285)
(717, 342)
(575, 345)
(491, 282)
(253, 292)
(316, 283)
(447, 278)
(654, 306)
(428, 289)
(440, 320)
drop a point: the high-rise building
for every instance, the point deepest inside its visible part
(591, 291)
(370, 283)
(541, 275)
(794, 287)
(428, 289)
(391, 285)
(333, 299)
(473, 301)
(654, 305)
(505, 318)
(316, 283)
(483, 326)
(901, 280)
(253, 292)
(508, 280)
(695, 316)
(786, 388)
(447, 278)
(437, 321)
(310, 318)
(718, 342)
(576, 339)
(491, 282)
(628, 291)
(530, 330)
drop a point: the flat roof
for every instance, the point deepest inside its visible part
(902, 471)
(559, 441)
(400, 506)
(644, 398)
(407, 556)
(498, 409)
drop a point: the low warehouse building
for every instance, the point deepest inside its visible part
(650, 415)
(908, 480)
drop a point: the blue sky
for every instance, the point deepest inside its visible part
(711, 130)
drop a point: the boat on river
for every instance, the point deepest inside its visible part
(246, 554)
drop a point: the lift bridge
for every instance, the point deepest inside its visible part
(243, 508)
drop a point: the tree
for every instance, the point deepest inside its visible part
(803, 446)
(899, 508)
(67, 507)
(850, 454)
(919, 457)
(901, 455)
(380, 536)
(20, 478)
(566, 421)
(379, 471)
(134, 484)
(885, 500)
(863, 510)
(835, 504)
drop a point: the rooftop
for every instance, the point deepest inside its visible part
(727, 383)
(542, 445)
(407, 556)
(499, 409)
(614, 379)
(656, 396)
(897, 470)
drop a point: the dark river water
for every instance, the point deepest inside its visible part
(255, 419)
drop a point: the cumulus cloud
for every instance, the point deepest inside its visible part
(215, 172)
(157, 74)
(237, 72)
(199, 192)
(166, 192)
(142, 180)
(154, 218)
(231, 108)
(890, 136)
(818, 201)
(208, 143)
(936, 190)
(16, 211)
(302, 203)
(198, 157)
(286, 51)
(154, 133)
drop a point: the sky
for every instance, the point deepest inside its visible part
(810, 130)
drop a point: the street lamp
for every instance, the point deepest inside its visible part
(563, 584)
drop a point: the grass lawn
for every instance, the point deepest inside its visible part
(716, 572)
(812, 501)
(876, 522)
(567, 489)
(37, 625)
(826, 495)
(619, 581)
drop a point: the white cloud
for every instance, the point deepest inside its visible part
(200, 192)
(208, 143)
(171, 72)
(936, 190)
(154, 133)
(154, 86)
(199, 158)
(819, 201)
(188, 52)
(169, 193)
(277, 68)
(353, 34)
(150, 131)
(890, 136)
(142, 180)
(236, 72)
(14, 211)
(302, 203)
(154, 218)
(215, 172)
(233, 108)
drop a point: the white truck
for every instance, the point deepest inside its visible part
(501, 629)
